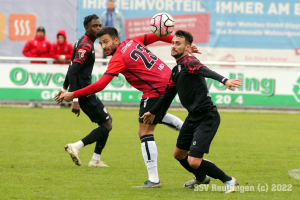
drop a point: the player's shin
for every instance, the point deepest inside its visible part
(172, 122)
(100, 144)
(98, 134)
(213, 171)
(200, 176)
(149, 151)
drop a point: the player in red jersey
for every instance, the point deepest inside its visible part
(147, 73)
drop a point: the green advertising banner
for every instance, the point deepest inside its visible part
(264, 86)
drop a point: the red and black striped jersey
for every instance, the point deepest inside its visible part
(84, 55)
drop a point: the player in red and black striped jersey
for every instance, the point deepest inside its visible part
(78, 77)
(188, 80)
(147, 73)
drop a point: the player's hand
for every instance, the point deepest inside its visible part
(76, 108)
(57, 97)
(193, 50)
(61, 59)
(148, 118)
(68, 96)
(231, 83)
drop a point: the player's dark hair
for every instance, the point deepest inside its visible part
(88, 19)
(186, 35)
(111, 31)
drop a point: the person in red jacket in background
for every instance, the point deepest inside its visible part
(38, 46)
(61, 49)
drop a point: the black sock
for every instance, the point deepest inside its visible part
(213, 171)
(200, 176)
(100, 135)
(101, 142)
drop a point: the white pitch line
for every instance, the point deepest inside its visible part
(295, 173)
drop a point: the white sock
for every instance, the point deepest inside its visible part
(96, 156)
(172, 122)
(149, 151)
(79, 145)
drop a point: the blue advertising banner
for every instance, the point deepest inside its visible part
(232, 24)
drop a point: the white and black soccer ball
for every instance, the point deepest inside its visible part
(162, 24)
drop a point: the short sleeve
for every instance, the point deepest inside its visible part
(115, 66)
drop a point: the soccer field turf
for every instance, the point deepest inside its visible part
(258, 149)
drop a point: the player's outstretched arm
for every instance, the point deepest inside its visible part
(148, 118)
(57, 99)
(231, 83)
(68, 96)
(169, 94)
(206, 72)
(91, 89)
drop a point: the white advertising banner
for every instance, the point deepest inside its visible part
(261, 86)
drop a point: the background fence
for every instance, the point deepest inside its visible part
(264, 85)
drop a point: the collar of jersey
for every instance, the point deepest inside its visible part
(88, 38)
(178, 61)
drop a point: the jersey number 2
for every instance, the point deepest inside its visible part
(141, 52)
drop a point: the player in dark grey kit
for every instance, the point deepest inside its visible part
(78, 77)
(200, 126)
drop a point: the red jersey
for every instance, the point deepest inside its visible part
(58, 49)
(37, 47)
(142, 69)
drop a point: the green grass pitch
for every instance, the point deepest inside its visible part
(258, 149)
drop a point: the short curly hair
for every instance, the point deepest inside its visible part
(88, 19)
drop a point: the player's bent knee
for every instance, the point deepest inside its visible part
(194, 162)
(178, 155)
(107, 125)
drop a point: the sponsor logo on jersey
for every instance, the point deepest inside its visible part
(81, 53)
(126, 46)
(161, 66)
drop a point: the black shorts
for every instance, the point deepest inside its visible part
(148, 103)
(94, 109)
(197, 132)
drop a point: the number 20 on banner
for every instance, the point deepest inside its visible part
(227, 99)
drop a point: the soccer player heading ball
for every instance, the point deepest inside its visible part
(147, 73)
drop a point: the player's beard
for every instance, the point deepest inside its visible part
(178, 55)
(113, 50)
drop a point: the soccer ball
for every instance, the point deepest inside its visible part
(162, 24)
